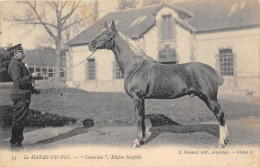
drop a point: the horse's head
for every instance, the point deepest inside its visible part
(105, 39)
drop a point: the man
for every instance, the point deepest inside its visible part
(20, 94)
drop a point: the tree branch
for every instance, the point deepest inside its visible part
(30, 21)
(51, 4)
(41, 21)
(74, 7)
(78, 21)
(57, 12)
(62, 6)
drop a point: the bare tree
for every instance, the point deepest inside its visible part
(153, 2)
(42, 12)
(124, 4)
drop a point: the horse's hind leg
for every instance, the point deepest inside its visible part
(223, 131)
(216, 109)
(140, 116)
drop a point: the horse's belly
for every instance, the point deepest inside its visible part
(161, 94)
(167, 90)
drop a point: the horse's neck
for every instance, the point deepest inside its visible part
(127, 52)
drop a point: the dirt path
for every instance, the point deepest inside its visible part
(81, 146)
(243, 132)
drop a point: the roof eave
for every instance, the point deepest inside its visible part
(145, 31)
(78, 44)
(179, 10)
(226, 29)
(185, 25)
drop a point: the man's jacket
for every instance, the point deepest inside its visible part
(22, 80)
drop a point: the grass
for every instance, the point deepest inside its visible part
(116, 109)
(34, 118)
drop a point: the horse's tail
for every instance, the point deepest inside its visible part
(220, 78)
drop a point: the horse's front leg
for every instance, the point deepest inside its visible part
(140, 117)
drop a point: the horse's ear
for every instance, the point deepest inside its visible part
(113, 26)
(105, 24)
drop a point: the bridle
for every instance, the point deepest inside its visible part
(108, 40)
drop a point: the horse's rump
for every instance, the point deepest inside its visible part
(204, 79)
(220, 77)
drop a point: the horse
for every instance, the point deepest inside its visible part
(145, 78)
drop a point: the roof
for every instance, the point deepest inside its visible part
(197, 16)
(42, 56)
(221, 14)
(123, 20)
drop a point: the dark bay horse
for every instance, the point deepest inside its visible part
(145, 78)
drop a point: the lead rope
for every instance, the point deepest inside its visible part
(76, 64)
(33, 81)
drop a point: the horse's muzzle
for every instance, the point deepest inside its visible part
(91, 46)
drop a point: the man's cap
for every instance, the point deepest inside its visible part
(15, 48)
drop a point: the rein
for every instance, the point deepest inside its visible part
(67, 69)
(33, 81)
(112, 38)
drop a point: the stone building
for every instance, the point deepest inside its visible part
(211, 33)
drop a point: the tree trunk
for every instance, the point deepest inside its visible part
(58, 50)
(57, 60)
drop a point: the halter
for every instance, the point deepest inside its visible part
(112, 38)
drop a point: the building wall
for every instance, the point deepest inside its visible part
(79, 53)
(183, 44)
(104, 62)
(151, 43)
(245, 48)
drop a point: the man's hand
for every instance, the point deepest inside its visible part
(35, 74)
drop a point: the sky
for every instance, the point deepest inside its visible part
(30, 37)
(13, 34)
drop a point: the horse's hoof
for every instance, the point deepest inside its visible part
(141, 142)
(221, 146)
(226, 141)
(135, 145)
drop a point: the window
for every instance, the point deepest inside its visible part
(38, 69)
(44, 70)
(50, 72)
(226, 62)
(91, 69)
(118, 71)
(168, 55)
(167, 27)
(62, 74)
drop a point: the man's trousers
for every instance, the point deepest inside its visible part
(21, 109)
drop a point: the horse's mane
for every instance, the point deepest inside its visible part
(134, 47)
